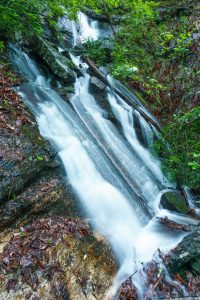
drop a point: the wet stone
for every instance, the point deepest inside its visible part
(175, 201)
(58, 63)
(96, 85)
(185, 257)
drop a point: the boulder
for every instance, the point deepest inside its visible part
(175, 201)
(60, 65)
(96, 85)
(186, 256)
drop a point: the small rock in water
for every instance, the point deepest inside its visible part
(97, 84)
(174, 201)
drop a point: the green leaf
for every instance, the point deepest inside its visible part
(39, 158)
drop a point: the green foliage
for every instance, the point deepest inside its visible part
(124, 71)
(135, 37)
(175, 47)
(39, 158)
(105, 7)
(2, 46)
(26, 16)
(150, 53)
(181, 160)
(96, 51)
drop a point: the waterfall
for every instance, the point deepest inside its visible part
(116, 178)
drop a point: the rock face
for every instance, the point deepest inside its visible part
(46, 194)
(58, 63)
(186, 256)
(23, 152)
(55, 258)
(173, 200)
(65, 26)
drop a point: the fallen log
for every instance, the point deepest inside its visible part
(103, 78)
(177, 226)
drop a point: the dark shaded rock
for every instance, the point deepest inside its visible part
(31, 178)
(128, 291)
(43, 255)
(186, 256)
(96, 85)
(22, 159)
(48, 193)
(23, 152)
(138, 129)
(175, 201)
(60, 65)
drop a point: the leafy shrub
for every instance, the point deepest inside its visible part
(96, 51)
(181, 160)
(124, 71)
(25, 16)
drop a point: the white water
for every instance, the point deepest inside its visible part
(100, 163)
(92, 29)
(124, 113)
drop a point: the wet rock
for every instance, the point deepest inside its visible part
(23, 152)
(48, 193)
(43, 255)
(31, 177)
(138, 129)
(67, 28)
(96, 85)
(186, 256)
(55, 258)
(175, 201)
(60, 65)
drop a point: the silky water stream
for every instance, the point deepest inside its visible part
(117, 180)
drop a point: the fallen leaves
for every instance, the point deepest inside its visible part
(128, 290)
(158, 283)
(12, 112)
(25, 252)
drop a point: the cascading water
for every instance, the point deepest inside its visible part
(92, 29)
(116, 178)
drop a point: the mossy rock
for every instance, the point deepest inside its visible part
(185, 257)
(60, 65)
(196, 266)
(173, 200)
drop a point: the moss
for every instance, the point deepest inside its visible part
(196, 266)
(177, 202)
(33, 135)
(139, 96)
